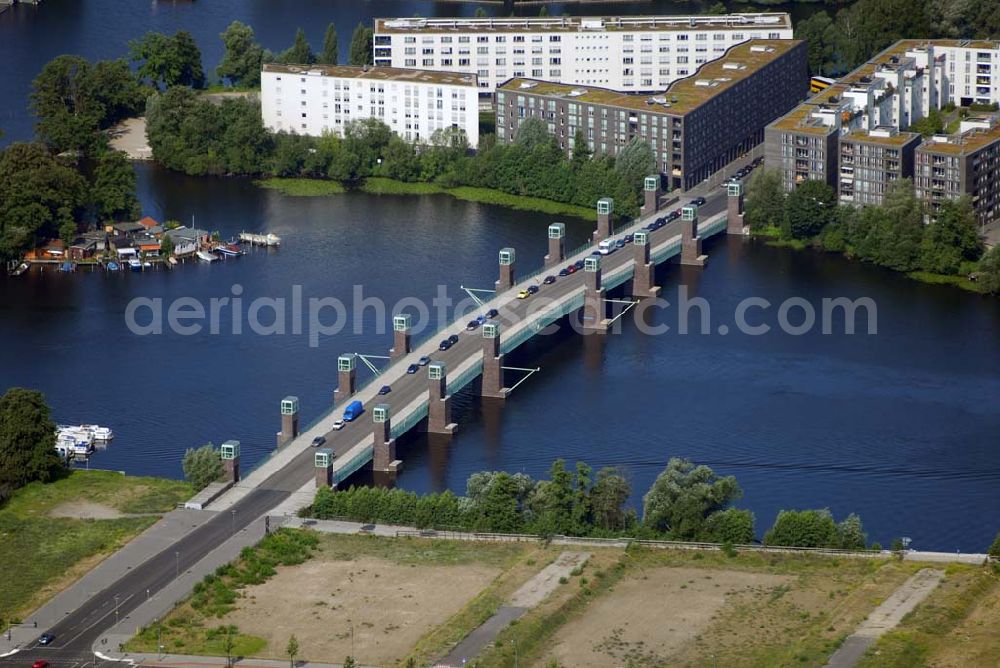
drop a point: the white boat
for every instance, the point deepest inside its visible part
(135, 265)
(64, 450)
(98, 432)
(76, 435)
(206, 256)
(269, 239)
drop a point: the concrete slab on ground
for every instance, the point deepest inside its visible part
(129, 137)
(886, 616)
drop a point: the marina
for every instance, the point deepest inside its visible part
(80, 442)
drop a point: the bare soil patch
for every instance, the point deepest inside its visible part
(85, 510)
(648, 617)
(388, 605)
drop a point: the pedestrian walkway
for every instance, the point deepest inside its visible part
(530, 594)
(189, 661)
(886, 617)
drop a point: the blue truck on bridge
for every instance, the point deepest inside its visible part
(353, 410)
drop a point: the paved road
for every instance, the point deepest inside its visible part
(76, 633)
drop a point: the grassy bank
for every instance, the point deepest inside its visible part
(302, 187)
(943, 279)
(53, 533)
(384, 186)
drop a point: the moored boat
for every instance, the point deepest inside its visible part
(229, 250)
(135, 265)
(207, 256)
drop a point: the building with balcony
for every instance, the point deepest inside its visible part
(866, 114)
(695, 127)
(965, 163)
(320, 99)
(631, 53)
(871, 160)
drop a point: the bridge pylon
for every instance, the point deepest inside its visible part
(323, 465)
(347, 377)
(506, 281)
(289, 420)
(594, 319)
(493, 377)
(643, 279)
(557, 245)
(439, 401)
(384, 455)
(690, 241)
(230, 454)
(605, 207)
(651, 192)
(734, 209)
(401, 327)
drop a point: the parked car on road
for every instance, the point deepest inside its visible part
(453, 338)
(338, 425)
(549, 280)
(384, 390)
(413, 368)
(473, 324)
(492, 313)
(523, 294)
(318, 441)
(444, 345)
(424, 361)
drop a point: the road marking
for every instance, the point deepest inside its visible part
(99, 620)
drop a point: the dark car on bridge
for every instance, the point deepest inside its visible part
(564, 272)
(699, 201)
(673, 216)
(453, 339)
(578, 264)
(445, 344)
(492, 313)
(384, 390)
(532, 289)
(473, 324)
(549, 280)
(413, 368)
(46, 639)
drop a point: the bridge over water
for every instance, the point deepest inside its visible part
(422, 400)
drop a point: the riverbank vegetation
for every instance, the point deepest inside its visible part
(686, 502)
(894, 235)
(54, 532)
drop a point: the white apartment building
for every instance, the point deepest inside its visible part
(320, 99)
(634, 54)
(972, 70)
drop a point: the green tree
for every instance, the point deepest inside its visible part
(73, 101)
(480, 13)
(608, 497)
(242, 60)
(928, 125)
(166, 61)
(683, 496)
(331, 48)
(731, 525)
(851, 534)
(361, 46)
(552, 500)
(823, 42)
(166, 246)
(581, 148)
(292, 650)
(989, 271)
(808, 209)
(499, 509)
(300, 53)
(349, 662)
(38, 196)
(951, 238)
(868, 26)
(27, 440)
(113, 190)
(765, 200)
(635, 162)
(202, 466)
(532, 132)
(803, 528)
(994, 549)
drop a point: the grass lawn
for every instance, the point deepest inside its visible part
(943, 279)
(954, 626)
(52, 552)
(384, 186)
(302, 187)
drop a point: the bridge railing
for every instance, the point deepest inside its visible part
(459, 381)
(361, 458)
(542, 321)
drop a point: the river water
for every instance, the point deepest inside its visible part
(900, 426)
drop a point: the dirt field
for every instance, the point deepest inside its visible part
(649, 618)
(389, 605)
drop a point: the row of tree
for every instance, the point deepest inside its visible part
(842, 41)
(193, 135)
(892, 235)
(686, 502)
